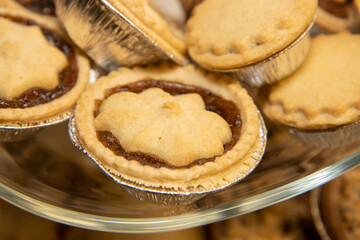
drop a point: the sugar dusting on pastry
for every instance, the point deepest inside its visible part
(27, 60)
(178, 129)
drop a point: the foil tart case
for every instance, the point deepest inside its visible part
(107, 36)
(162, 196)
(15, 132)
(274, 68)
(331, 137)
(19, 131)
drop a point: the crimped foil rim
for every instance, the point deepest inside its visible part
(49, 121)
(327, 137)
(55, 119)
(168, 54)
(158, 190)
(85, 39)
(274, 68)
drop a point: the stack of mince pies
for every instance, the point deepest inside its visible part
(170, 120)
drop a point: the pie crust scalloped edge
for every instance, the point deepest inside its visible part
(280, 109)
(61, 104)
(223, 171)
(225, 55)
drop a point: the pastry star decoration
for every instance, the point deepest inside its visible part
(177, 129)
(27, 60)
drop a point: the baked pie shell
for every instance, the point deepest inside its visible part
(222, 171)
(65, 102)
(333, 99)
(225, 48)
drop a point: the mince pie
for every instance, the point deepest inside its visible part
(323, 93)
(170, 127)
(319, 103)
(231, 34)
(41, 73)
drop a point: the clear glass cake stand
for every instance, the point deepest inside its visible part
(47, 176)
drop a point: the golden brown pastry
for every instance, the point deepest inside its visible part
(43, 74)
(231, 34)
(323, 93)
(170, 127)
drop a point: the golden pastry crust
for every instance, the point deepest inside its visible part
(232, 34)
(178, 129)
(220, 172)
(60, 105)
(151, 23)
(324, 92)
(15, 52)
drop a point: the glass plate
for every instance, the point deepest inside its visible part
(47, 176)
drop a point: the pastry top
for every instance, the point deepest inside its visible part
(231, 34)
(156, 122)
(39, 67)
(169, 123)
(169, 36)
(26, 57)
(324, 92)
